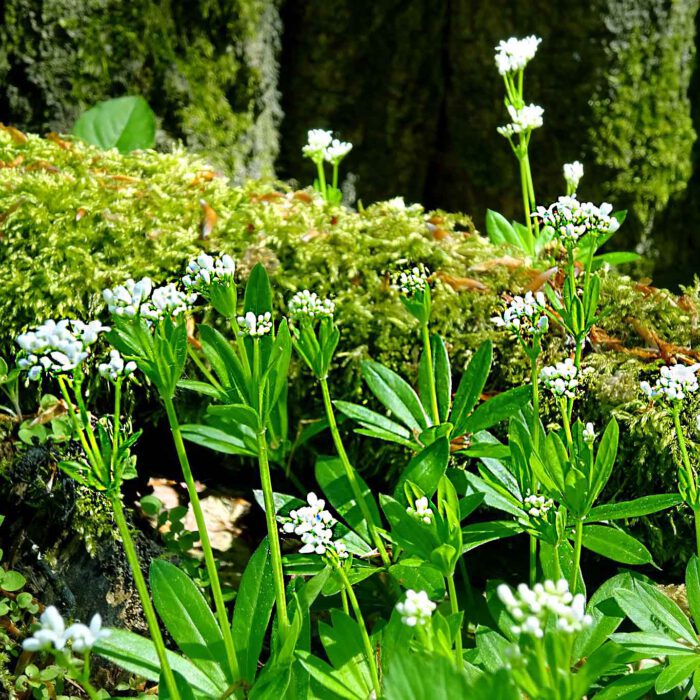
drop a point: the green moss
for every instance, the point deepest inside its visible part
(77, 220)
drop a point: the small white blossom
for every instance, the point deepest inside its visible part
(537, 506)
(572, 219)
(411, 282)
(116, 367)
(421, 510)
(525, 315)
(573, 172)
(127, 299)
(336, 151)
(589, 434)
(313, 524)
(51, 634)
(306, 304)
(84, 637)
(674, 383)
(255, 326)
(317, 141)
(514, 54)
(205, 270)
(416, 608)
(561, 379)
(533, 608)
(166, 302)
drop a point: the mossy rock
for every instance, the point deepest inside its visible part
(75, 220)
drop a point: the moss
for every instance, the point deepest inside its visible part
(209, 69)
(76, 220)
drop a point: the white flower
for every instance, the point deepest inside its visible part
(421, 510)
(411, 282)
(84, 637)
(674, 383)
(572, 219)
(537, 506)
(573, 172)
(116, 367)
(306, 304)
(313, 524)
(525, 315)
(561, 379)
(589, 433)
(255, 326)
(336, 151)
(514, 54)
(317, 141)
(533, 608)
(57, 346)
(206, 270)
(51, 634)
(126, 299)
(416, 609)
(166, 302)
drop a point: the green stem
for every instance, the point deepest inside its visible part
(273, 535)
(350, 474)
(363, 630)
(85, 417)
(203, 368)
(454, 606)
(344, 599)
(322, 179)
(116, 427)
(219, 604)
(76, 423)
(335, 176)
(526, 197)
(431, 374)
(577, 555)
(534, 381)
(142, 589)
(533, 560)
(690, 476)
(567, 427)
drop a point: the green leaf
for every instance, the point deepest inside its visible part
(327, 678)
(500, 407)
(616, 258)
(679, 669)
(426, 469)
(138, 655)
(615, 544)
(183, 688)
(419, 576)
(500, 231)
(605, 460)
(421, 677)
(189, 620)
(471, 386)
(635, 508)
(258, 292)
(442, 377)
(12, 581)
(692, 587)
(124, 123)
(395, 394)
(251, 616)
(217, 440)
(652, 645)
(372, 419)
(630, 687)
(476, 534)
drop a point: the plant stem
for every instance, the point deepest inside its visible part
(533, 560)
(273, 535)
(203, 368)
(335, 176)
(526, 197)
(363, 630)
(142, 589)
(74, 420)
(85, 678)
(688, 470)
(77, 385)
(322, 179)
(219, 604)
(344, 599)
(431, 374)
(350, 474)
(454, 606)
(567, 427)
(577, 555)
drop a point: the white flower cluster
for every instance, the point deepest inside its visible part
(537, 506)
(589, 433)
(561, 379)
(527, 118)
(139, 298)
(313, 524)
(320, 145)
(421, 510)
(205, 269)
(514, 54)
(167, 302)
(525, 315)
(255, 326)
(572, 219)
(573, 172)
(116, 367)
(411, 282)
(53, 633)
(416, 609)
(57, 346)
(306, 304)
(532, 608)
(674, 383)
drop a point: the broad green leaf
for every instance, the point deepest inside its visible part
(189, 620)
(11, 580)
(692, 587)
(500, 407)
(413, 676)
(500, 231)
(258, 292)
(476, 534)
(605, 460)
(251, 615)
(652, 645)
(679, 670)
(333, 687)
(419, 576)
(396, 395)
(124, 123)
(471, 386)
(372, 419)
(635, 508)
(630, 687)
(138, 655)
(183, 688)
(217, 440)
(426, 469)
(272, 682)
(615, 544)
